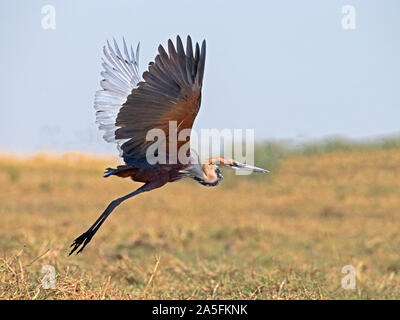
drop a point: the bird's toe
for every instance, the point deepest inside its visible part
(82, 240)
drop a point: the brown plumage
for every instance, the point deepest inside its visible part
(127, 109)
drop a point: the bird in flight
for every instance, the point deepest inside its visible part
(128, 107)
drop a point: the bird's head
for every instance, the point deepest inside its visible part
(209, 174)
(232, 164)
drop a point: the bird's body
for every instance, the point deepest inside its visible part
(210, 174)
(146, 175)
(128, 108)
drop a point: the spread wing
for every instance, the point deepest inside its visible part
(120, 77)
(171, 91)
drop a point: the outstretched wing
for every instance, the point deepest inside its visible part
(171, 91)
(120, 77)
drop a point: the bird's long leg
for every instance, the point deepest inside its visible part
(85, 237)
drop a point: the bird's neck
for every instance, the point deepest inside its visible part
(211, 176)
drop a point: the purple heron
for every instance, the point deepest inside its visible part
(128, 107)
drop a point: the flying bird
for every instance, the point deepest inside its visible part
(128, 107)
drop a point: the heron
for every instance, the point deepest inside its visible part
(128, 106)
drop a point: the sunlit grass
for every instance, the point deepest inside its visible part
(285, 235)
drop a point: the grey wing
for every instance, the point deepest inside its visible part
(120, 76)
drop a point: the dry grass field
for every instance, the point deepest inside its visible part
(286, 235)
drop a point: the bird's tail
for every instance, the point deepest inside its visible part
(109, 172)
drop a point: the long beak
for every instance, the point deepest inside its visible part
(242, 166)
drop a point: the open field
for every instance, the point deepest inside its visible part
(286, 235)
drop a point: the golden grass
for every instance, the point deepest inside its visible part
(286, 236)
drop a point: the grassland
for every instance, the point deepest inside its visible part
(286, 235)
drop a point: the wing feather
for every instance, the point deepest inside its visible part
(170, 91)
(120, 77)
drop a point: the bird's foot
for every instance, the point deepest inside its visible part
(109, 172)
(82, 240)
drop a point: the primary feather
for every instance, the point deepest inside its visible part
(120, 77)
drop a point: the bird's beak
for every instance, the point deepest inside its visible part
(246, 167)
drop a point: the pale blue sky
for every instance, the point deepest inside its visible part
(285, 68)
